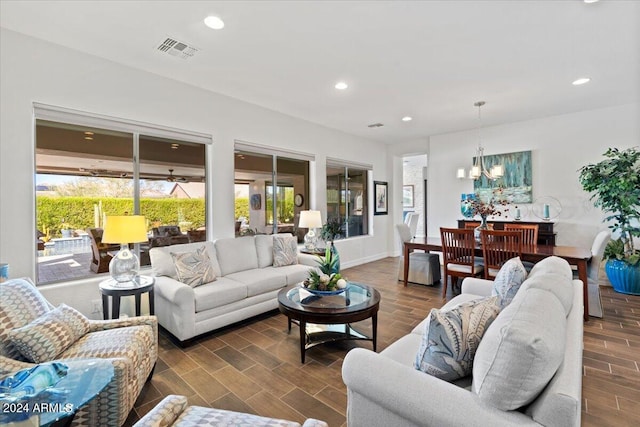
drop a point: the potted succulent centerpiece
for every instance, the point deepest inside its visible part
(328, 280)
(330, 231)
(615, 184)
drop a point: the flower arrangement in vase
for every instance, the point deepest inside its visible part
(485, 209)
(328, 279)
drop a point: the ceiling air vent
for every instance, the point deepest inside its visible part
(375, 125)
(177, 48)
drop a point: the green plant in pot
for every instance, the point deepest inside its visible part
(615, 184)
(330, 231)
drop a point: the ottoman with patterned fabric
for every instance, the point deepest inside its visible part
(174, 411)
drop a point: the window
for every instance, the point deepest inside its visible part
(347, 197)
(284, 204)
(85, 172)
(266, 186)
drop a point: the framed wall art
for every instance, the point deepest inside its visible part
(407, 196)
(381, 192)
(516, 184)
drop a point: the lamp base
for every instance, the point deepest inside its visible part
(124, 266)
(310, 240)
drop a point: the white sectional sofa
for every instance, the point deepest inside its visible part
(246, 285)
(386, 390)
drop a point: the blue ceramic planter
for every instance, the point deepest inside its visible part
(624, 277)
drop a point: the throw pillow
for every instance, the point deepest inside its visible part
(51, 334)
(285, 251)
(451, 338)
(508, 280)
(194, 268)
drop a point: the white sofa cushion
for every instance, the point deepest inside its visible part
(260, 280)
(236, 254)
(556, 283)
(521, 350)
(451, 338)
(508, 280)
(264, 249)
(162, 262)
(295, 273)
(221, 292)
(552, 264)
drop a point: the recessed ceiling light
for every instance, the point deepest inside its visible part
(341, 86)
(581, 81)
(407, 119)
(591, 1)
(214, 22)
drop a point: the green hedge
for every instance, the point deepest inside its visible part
(55, 213)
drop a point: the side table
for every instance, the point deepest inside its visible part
(110, 288)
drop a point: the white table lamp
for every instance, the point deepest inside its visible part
(310, 220)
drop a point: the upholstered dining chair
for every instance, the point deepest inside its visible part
(499, 246)
(424, 267)
(529, 232)
(458, 252)
(597, 253)
(413, 224)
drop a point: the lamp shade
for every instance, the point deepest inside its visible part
(125, 229)
(310, 219)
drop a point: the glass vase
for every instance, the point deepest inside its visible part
(477, 232)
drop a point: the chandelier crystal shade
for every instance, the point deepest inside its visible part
(479, 169)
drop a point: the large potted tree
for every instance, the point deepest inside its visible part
(615, 186)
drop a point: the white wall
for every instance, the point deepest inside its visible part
(33, 70)
(560, 145)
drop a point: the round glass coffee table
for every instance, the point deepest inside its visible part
(326, 318)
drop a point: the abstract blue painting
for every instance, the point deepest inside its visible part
(516, 184)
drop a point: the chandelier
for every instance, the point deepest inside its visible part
(479, 169)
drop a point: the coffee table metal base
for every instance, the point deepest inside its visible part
(312, 334)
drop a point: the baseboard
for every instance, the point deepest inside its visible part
(360, 261)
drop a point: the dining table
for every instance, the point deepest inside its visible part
(574, 255)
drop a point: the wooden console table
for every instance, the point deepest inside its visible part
(546, 236)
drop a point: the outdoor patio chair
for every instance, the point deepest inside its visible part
(100, 251)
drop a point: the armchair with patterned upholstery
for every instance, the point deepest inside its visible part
(30, 325)
(175, 411)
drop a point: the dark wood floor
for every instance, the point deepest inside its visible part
(255, 367)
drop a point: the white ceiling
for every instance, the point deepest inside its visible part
(431, 60)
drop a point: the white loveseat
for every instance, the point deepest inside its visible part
(386, 390)
(246, 285)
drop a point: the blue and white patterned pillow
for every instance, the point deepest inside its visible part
(285, 250)
(508, 280)
(194, 268)
(451, 338)
(50, 334)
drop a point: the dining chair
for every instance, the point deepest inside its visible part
(529, 232)
(413, 224)
(499, 246)
(471, 225)
(597, 253)
(424, 267)
(458, 252)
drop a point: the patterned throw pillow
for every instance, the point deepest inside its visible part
(285, 250)
(51, 334)
(508, 280)
(451, 338)
(194, 268)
